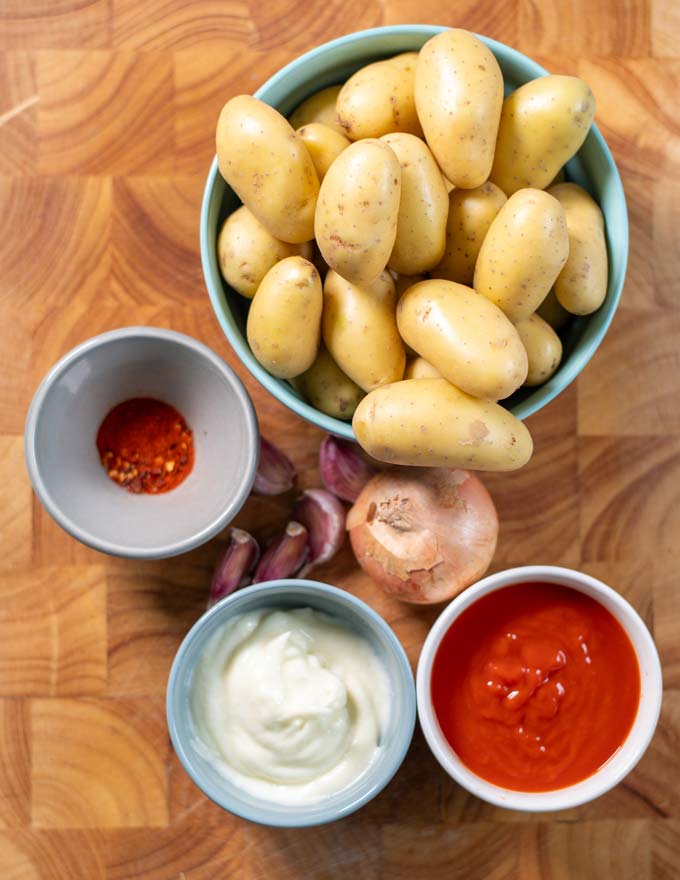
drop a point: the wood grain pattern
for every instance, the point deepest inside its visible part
(107, 113)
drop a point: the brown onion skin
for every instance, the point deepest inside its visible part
(424, 534)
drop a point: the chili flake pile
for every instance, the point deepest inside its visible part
(146, 446)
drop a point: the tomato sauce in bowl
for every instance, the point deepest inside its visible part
(535, 686)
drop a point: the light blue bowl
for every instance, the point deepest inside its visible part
(593, 167)
(345, 607)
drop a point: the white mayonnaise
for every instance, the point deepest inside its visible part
(291, 705)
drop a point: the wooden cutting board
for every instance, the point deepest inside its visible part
(107, 112)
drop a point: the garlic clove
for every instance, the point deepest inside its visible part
(234, 566)
(275, 472)
(345, 470)
(284, 556)
(324, 517)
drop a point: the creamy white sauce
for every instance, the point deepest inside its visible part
(291, 705)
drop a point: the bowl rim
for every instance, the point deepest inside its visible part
(81, 534)
(585, 790)
(294, 815)
(542, 395)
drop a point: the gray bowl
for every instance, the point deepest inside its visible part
(292, 594)
(63, 462)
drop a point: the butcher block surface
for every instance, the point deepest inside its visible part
(107, 116)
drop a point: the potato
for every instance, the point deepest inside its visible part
(581, 286)
(378, 99)
(431, 423)
(471, 212)
(327, 388)
(320, 107)
(356, 214)
(543, 124)
(523, 253)
(464, 336)
(360, 330)
(459, 96)
(267, 165)
(324, 145)
(246, 251)
(423, 207)
(543, 347)
(552, 312)
(284, 321)
(419, 368)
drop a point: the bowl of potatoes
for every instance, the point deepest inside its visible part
(415, 237)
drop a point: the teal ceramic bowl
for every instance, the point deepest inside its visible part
(593, 168)
(346, 608)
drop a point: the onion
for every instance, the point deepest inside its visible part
(424, 534)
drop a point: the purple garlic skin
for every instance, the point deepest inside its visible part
(235, 565)
(275, 471)
(345, 470)
(284, 555)
(323, 515)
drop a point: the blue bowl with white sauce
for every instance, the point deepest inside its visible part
(291, 703)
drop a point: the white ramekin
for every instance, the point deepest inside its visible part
(619, 765)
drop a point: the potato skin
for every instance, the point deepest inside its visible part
(378, 99)
(356, 214)
(423, 207)
(431, 423)
(267, 165)
(543, 347)
(543, 124)
(324, 144)
(319, 107)
(328, 389)
(360, 330)
(459, 96)
(284, 321)
(523, 253)
(471, 212)
(552, 312)
(581, 286)
(464, 336)
(246, 251)
(419, 368)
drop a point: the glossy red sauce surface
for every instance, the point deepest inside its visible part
(535, 686)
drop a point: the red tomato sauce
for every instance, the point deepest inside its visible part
(535, 686)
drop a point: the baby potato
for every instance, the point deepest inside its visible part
(246, 251)
(267, 165)
(356, 214)
(471, 212)
(360, 330)
(459, 95)
(419, 368)
(523, 253)
(543, 124)
(284, 321)
(378, 99)
(581, 286)
(327, 388)
(320, 107)
(431, 423)
(552, 312)
(543, 347)
(324, 145)
(423, 207)
(464, 336)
